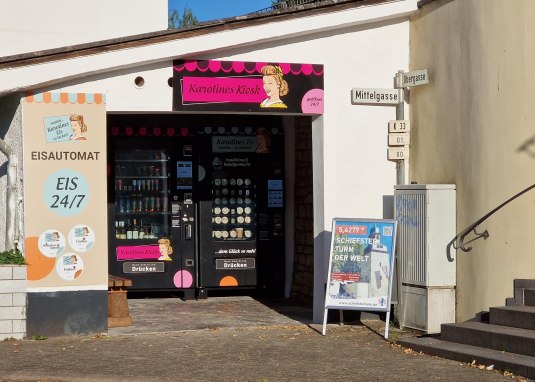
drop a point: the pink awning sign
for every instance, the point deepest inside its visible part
(248, 87)
(207, 89)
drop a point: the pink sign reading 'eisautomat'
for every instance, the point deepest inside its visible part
(233, 89)
(139, 252)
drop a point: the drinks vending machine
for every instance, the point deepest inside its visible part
(198, 211)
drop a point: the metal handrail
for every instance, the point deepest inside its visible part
(472, 228)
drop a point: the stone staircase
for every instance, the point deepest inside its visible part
(503, 337)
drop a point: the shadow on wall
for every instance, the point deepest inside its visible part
(528, 147)
(388, 206)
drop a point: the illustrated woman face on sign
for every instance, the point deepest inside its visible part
(78, 127)
(275, 87)
(165, 249)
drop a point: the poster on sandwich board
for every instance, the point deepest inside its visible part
(361, 264)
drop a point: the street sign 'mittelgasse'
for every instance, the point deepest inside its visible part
(372, 96)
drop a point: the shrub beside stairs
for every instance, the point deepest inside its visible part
(504, 336)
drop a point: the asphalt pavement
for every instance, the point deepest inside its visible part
(230, 339)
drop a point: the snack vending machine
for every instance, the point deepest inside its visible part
(152, 214)
(241, 210)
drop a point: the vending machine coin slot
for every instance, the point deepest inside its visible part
(188, 232)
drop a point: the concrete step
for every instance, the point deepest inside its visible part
(518, 289)
(516, 363)
(497, 337)
(529, 297)
(513, 316)
(509, 301)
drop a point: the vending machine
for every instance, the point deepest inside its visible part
(152, 213)
(199, 210)
(241, 210)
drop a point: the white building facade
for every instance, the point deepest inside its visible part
(359, 45)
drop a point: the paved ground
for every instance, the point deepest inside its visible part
(228, 339)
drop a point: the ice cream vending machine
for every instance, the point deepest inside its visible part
(152, 213)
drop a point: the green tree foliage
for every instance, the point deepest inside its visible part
(184, 21)
(13, 257)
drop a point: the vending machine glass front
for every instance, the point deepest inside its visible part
(141, 194)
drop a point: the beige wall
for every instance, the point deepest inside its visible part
(468, 126)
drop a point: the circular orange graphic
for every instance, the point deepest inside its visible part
(39, 266)
(228, 281)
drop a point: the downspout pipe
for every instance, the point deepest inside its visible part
(11, 197)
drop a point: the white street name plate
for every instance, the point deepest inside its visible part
(399, 139)
(414, 78)
(398, 153)
(399, 126)
(368, 96)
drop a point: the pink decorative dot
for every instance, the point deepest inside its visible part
(183, 279)
(214, 66)
(306, 69)
(313, 102)
(259, 66)
(191, 66)
(238, 66)
(285, 68)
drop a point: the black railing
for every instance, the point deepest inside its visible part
(284, 5)
(472, 228)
